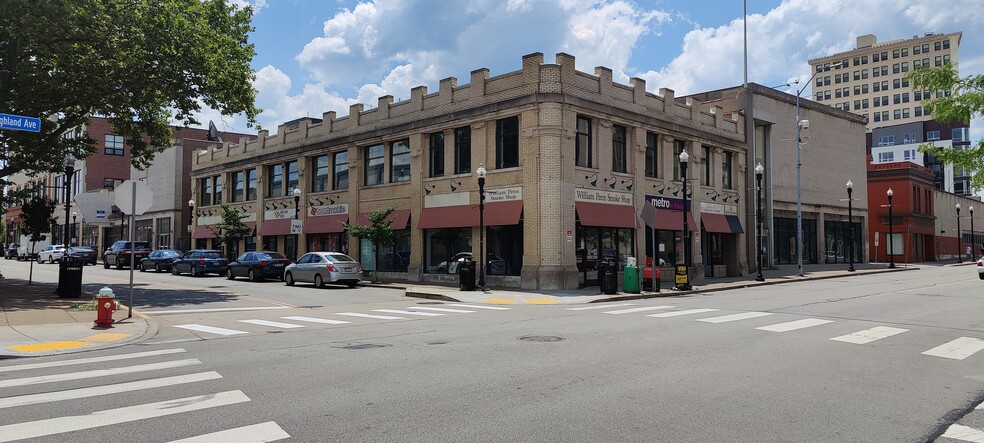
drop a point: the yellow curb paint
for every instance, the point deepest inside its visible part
(500, 300)
(49, 346)
(106, 337)
(542, 300)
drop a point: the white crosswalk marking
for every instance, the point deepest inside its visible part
(198, 311)
(794, 325)
(359, 314)
(965, 433)
(601, 306)
(870, 335)
(259, 433)
(642, 309)
(108, 417)
(958, 349)
(82, 361)
(734, 317)
(457, 311)
(115, 388)
(316, 320)
(210, 329)
(96, 373)
(679, 313)
(399, 311)
(493, 308)
(272, 324)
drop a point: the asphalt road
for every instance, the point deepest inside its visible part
(888, 357)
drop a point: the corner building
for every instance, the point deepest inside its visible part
(571, 157)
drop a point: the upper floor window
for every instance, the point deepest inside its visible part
(946, 44)
(960, 134)
(678, 147)
(726, 170)
(507, 143)
(340, 162)
(292, 176)
(582, 142)
(884, 157)
(217, 190)
(705, 172)
(114, 145)
(932, 135)
(462, 150)
(205, 191)
(238, 183)
(400, 161)
(275, 180)
(435, 154)
(251, 184)
(937, 46)
(886, 140)
(319, 181)
(619, 155)
(652, 155)
(375, 164)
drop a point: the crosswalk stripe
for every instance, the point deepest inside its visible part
(679, 313)
(794, 325)
(316, 320)
(965, 433)
(958, 349)
(734, 317)
(458, 311)
(210, 329)
(259, 433)
(97, 373)
(642, 309)
(359, 314)
(870, 335)
(398, 311)
(108, 417)
(195, 311)
(95, 391)
(601, 306)
(493, 308)
(81, 361)
(272, 324)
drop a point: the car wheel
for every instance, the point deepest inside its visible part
(318, 282)
(174, 270)
(981, 276)
(289, 279)
(105, 264)
(40, 261)
(442, 270)
(119, 264)
(251, 275)
(143, 268)
(194, 272)
(229, 275)
(157, 267)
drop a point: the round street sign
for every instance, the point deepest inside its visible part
(124, 197)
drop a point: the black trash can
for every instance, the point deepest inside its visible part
(607, 278)
(466, 275)
(70, 278)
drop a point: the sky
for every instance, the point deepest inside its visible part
(315, 56)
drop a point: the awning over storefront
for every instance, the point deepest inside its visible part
(735, 223)
(463, 216)
(725, 224)
(400, 217)
(202, 232)
(325, 224)
(278, 226)
(613, 216)
(673, 221)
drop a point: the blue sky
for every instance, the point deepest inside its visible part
(324, 55)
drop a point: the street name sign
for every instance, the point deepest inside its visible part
(20, 123)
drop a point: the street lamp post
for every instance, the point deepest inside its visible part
(75, 229)
(891, 251)
(759, 171)
(973, 240)
(191, 222)
(959, 240)
(69, 172)
(481, 225)
(297, 213)
(850, 227)
(683, 281)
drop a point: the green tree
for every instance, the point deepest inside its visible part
(140, 63)
(379, 232)
(38, 215)
(231, 229)
(964, 102)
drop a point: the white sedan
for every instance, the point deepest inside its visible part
(51, 254)
(980, 268)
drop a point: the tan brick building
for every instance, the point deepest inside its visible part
(571, 157)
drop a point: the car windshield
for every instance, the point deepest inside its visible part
(170, 253)
(82, 250)
(340, 258)
(269, 256)
(211, 254)
(135, 245)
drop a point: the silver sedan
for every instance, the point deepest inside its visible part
(324, 267)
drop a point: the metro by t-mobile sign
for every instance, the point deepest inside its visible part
(665, 203)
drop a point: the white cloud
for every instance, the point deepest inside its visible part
(257, 5)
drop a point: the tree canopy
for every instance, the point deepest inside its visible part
(231, 229)
(379, 232)
(142, 64)
(964, 102)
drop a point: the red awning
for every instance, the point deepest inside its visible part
(252, 227)
(598, 214)
(324, 224)
(462, 216)
(400, 218)
(202, 232)
(715, 223)
(673, 221)
(277, 226)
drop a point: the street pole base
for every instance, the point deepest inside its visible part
(850, 269)
(759, 278)
(684, 287)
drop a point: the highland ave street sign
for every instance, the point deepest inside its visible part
(20, 123)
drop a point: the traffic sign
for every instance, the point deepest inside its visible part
(125, 193)
(94, 207)
(20, 123)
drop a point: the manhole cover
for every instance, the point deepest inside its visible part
(310, 307)
(541, 338)
(430, 303)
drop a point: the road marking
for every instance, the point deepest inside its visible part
(95, 391)
(734, 317)
(494, 308)
(263, 432)
(642, 309)
(48, 346)
(540, 301)
(108, 417)
(428, 308)
(80, 361)
(96, 373)
(272, 324)
(499, 300)
(679, 313)
(958, 349)
(359, 314)
(601, 306)
(316, 320)
(965, 433)
(210, 329)
(398, 311)
(794, 325)
(193, 311)
(870, 335)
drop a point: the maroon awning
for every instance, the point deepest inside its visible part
(202, 232)
(325, 224)
(673, 221)
(400, 218)
(715, 223)
(598, 214)
(277, 226)
(462, 216)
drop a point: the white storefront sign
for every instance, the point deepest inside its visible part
(504, 194)
(278, 214)
(339, 209)
(605, 197)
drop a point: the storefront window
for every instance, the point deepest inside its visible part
(333, 242)
(443, 246)
(505, 250)
(145, 230)
(270, 243)
(163, 233)
(836, 245)
(597, 244)
(785, 241)
(390, 258)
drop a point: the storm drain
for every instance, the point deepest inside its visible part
(430, 302)
(541, 338)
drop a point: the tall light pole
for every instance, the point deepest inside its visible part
(64, 279)
(850, 226)
(297, 213)
(683, 281)
(69, 172)
(481, 225)
(891, 250)
(759, 171)
(191, 223)
(973, 240)
(959, 240)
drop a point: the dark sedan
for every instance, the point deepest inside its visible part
(159, 260)
(258, 266)
(81, 254)
(198, 262)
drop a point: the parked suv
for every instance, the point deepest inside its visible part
(51, 253)
(119, 254)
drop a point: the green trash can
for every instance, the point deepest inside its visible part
(630, 279)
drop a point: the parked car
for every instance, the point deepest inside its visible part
(980, 268)
(11, 251)
(199, 262)
(494, 266)
(29, 250)
(258, 266)
(324, 267)
(81, 254)
(51, 253)
(122, 252)
(159, 260)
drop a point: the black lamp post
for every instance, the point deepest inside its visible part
(297, 213)
(759, 171)
(683, 278)
(191, 223)
(69, 172)
(959, 240)
(481, 225)
(891, 252)
(850, 227)
(75, 229)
